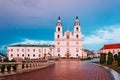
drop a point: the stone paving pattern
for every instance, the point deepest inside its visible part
(65, 70)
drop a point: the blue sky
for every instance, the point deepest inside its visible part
(25, 21)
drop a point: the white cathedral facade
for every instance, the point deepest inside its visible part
(66, 45)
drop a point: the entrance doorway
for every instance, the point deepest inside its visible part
(68, 55)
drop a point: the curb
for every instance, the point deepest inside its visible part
(113, 74)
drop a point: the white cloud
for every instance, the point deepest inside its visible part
(108, 34)
(105, 35)
(35, 42)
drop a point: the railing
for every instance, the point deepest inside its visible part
(23, 65)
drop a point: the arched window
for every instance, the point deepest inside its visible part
(58, 50)
(58, 36)
(17, 55)
(77, 29)
(77, 36)
(58, 29)
(22, 55)
(77, 50)
(33, 55)
(59, 55)
(39, 55)
(28, 55)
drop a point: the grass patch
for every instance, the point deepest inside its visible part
(113, 66)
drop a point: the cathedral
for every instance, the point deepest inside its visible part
(68, 44)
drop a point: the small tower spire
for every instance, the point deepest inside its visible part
(59, 18)
(76, 17)
(59, 22)
(76, 21)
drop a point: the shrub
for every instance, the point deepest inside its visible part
(13, 60)
(102, 58)
(119, 59)
(116, 57)
(110, 58)
(2, 68)
(8, 67)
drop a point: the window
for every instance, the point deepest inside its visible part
(22, 50)
(76, 54)
(17, 55)
(17, 50)
(11, 55)
(59, 55)
(22, 55)
(44, 50)
(58, 29)
(77, 50)
(77, 43)
(67, 49)
(11, 50)
(28, 50)
(39, 50)
(33, 55)
(77, 29)
(28, 55)
(77, 36)
(39, 55)
(58, 50)
(33, 50)
(58, 36)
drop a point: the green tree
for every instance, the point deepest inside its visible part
(110, 58)
(102, 58)
(119, 59)
(116, 57)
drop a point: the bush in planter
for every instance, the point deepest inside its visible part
(8, 67)
(14, 67)
(102, 58)
(119, 59)
(2, 68)
(116, 57)
(110, 58)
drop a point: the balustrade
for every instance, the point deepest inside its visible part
(21, 65)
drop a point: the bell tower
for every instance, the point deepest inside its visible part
(58, 33)
(77, 31)
(76, 25)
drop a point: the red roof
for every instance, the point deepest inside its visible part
(111, 46)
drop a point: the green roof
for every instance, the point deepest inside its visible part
(30, 45)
